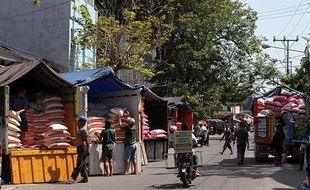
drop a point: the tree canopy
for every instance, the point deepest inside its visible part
(206, 49)
(123, 43)
(213, 56)
(301, 80)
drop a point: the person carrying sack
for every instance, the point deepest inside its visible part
(82, 143)
(108, 144)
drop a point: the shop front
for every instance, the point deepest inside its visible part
(42, 152)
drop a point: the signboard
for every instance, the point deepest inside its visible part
(262, 127)
(183, 141)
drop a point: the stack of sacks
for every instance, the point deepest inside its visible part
(36, 127)
(54, 110)
(13, 130)
(260, 105)
(296, 106)
(158, 133)
(56, 136)
(275, 104)
(145, 125)
(115, 115)
(95, 125)
(302, 107)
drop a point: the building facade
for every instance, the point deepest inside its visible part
(45, 31)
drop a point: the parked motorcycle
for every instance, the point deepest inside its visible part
(185, 168)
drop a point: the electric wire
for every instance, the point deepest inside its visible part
(281, 13)
(276, 10)
(296, 25)
(305, 28)
(290, 18)
(35, 11)
(268, 18)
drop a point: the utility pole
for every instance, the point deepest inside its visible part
(286, 43)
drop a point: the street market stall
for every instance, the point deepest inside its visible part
(107, 93)
(280, 103)
(44, 154)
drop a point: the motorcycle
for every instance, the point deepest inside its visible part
(185, 167)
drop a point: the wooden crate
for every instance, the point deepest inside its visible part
(39, 166)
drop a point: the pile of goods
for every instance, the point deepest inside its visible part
(116, 115)
(13, 130)
(286, 102)
(46, 127)
(95, 125)
(145, 126)
(158, 133)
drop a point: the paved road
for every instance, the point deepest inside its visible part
(220, 172)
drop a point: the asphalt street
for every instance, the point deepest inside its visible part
(219, 172)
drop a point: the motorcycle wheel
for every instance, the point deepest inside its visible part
(184, 179)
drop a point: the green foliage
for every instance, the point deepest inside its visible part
(301, 81)
(122, 43)
(213, 56)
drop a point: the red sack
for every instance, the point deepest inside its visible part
(59, 145)
(280, 99)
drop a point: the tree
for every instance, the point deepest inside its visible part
(213, 56)
(301, 81)
(123, 43)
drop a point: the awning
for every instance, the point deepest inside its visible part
(103, 80)
(35, 70)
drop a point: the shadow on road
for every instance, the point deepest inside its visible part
(168, 186)
(229, 168)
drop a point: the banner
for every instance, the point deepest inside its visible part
(183, 141)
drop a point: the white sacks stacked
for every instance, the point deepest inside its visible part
(57, 135)
(145, 126)
(13, 130)
(115, 115)
(95, 125)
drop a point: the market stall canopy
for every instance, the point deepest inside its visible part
(103, 80)
(35, 71)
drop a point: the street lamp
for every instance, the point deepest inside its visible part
(266, 46)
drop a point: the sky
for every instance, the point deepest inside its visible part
(279, 18)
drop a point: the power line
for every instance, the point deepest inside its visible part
(268, 18)
(281, 13)
(35, 11)
(290, 18)
(296, 25)
(291, 7)
(305, 27)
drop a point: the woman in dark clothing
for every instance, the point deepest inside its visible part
(227, 136)
(277, 144)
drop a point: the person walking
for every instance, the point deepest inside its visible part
(304, 136)
(277, 143)
(108, 143)
(82, 143)
(208, 133)
(196, 130)
(242, 137)
(130, 147)
(203, 134)
(227, 136)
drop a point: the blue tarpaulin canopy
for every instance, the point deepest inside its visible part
(104, 80)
